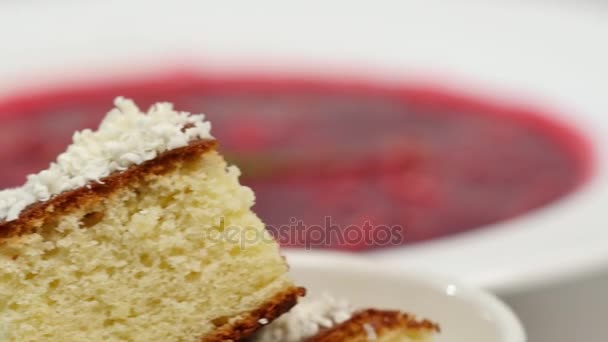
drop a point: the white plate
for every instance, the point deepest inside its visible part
(549, 55)
(464, 314)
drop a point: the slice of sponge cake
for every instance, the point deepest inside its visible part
(381, 326)
(326, 319)
(140, 231)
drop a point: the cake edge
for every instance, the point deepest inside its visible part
(251, 322)
(381, 321)
(37, 214)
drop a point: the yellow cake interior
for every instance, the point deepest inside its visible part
(168, 258)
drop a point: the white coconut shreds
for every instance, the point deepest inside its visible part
(306, 319)
(126, 136)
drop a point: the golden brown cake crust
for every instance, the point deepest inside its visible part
(249, 324)
(36, 215)
(381, 321)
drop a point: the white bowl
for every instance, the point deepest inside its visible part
(552, 58)
(464, 313)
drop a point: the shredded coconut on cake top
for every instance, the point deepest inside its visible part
(126, 136)
(306, 319)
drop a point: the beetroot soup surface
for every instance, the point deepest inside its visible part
(343, 165)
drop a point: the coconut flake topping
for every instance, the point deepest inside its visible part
(125, 137)
(306, 319)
